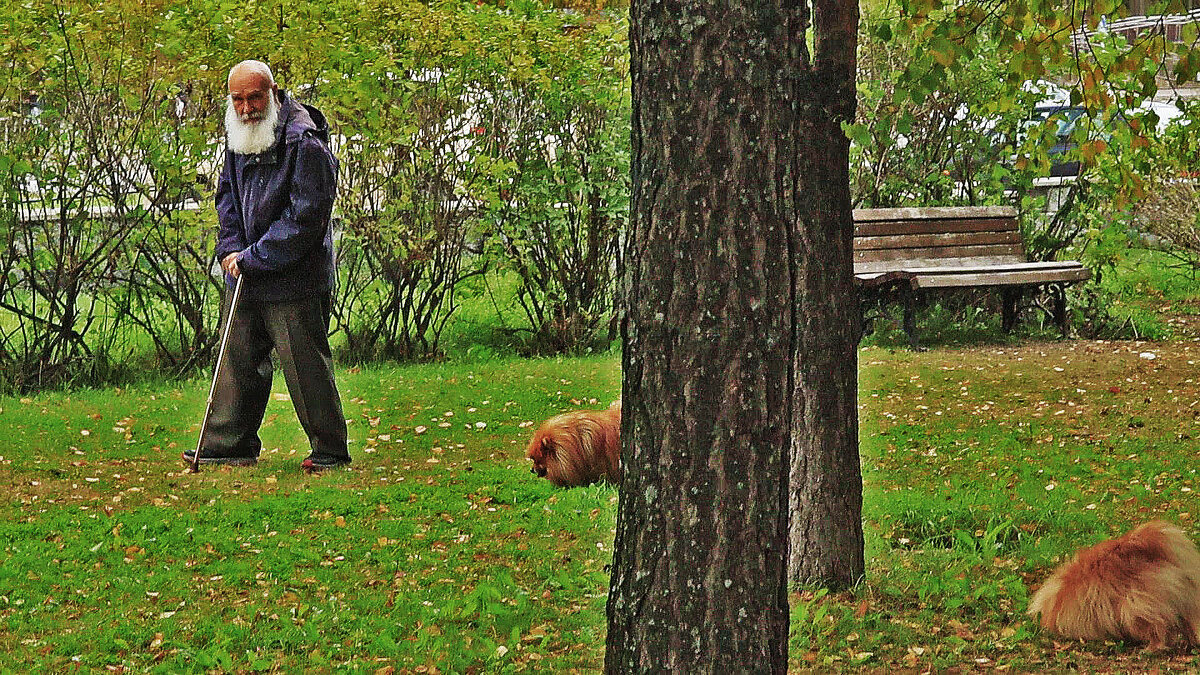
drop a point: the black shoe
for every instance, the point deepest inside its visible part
(320, 463)
(190, 457)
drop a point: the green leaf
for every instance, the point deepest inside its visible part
(884, 31)
(858, 133)
(943, 51)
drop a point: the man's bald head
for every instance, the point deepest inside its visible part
(252, 70)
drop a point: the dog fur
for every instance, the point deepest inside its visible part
(579, 448)
(1143, 586)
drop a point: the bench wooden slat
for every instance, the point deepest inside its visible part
(930, 266)
(969, 266)
(873, 280)
(929, 257)
(905, 227)
(999, 278)
(936, 239)
(974, 266)
(878, 266)
(942, 277)
(934, 212)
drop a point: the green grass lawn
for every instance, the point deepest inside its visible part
(437, 549)
(987, 461)
(440, 552)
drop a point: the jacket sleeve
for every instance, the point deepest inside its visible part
(231, 234)
(301, 226)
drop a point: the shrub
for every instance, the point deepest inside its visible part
(412, 177)
(97, 169)
(562, 132)
(441, 116)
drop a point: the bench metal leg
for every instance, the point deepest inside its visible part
(866, 324)
(865, 303)
(910, 319)
(1058, 299)
(1010, 299)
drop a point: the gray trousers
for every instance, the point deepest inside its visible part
(298, 332)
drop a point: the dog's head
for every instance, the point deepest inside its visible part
(541, 452)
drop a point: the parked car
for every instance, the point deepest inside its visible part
(1067, 119)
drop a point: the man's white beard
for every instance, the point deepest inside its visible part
(246, 137)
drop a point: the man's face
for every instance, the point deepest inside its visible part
(250, 94)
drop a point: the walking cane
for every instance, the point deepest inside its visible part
(237, 292)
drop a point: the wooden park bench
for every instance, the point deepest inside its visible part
(913, 251)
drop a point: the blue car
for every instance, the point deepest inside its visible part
(1067, 117)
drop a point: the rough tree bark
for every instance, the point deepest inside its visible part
(729, 246)
(826, 478)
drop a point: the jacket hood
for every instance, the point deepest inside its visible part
(299, 120)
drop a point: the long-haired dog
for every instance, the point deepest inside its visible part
(578, 448)
(1143, 586)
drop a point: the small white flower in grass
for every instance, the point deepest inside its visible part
(1050, 486)
(1090, 507)
(420, 430)
(481, 425)
(501, 650)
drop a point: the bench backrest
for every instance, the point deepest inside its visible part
(890, 239)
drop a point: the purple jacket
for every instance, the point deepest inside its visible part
(275, 206)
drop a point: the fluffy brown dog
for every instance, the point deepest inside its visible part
(1144, 586)
(579, 448)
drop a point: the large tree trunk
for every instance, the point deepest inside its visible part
(826, 479)
(699, 582)
(740, 333)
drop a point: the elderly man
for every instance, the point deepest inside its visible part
(273, 202)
